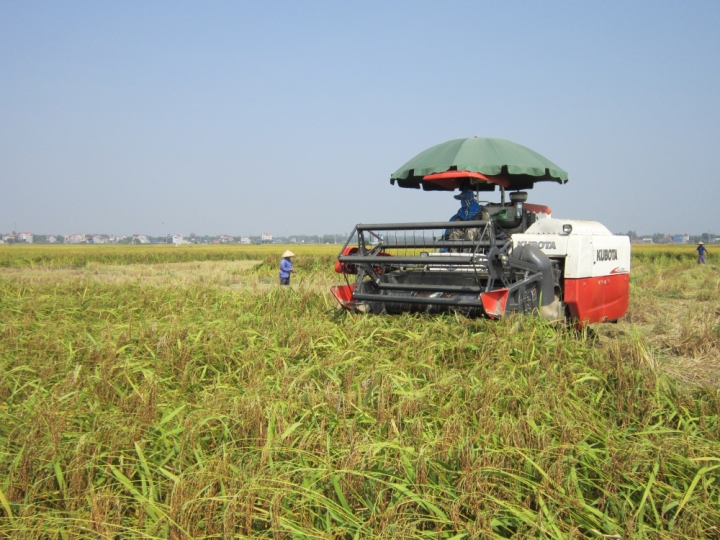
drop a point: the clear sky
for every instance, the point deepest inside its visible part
(244, 117)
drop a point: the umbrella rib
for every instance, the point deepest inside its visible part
(497, 152)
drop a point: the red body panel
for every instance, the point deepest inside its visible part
(342, 268)
(598, 299)
(344, 295)
(494, 302)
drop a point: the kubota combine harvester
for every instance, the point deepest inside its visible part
(511, 257)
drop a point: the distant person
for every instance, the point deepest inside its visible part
(701, 252)
(286, 267)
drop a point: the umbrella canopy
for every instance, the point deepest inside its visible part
(478, 163)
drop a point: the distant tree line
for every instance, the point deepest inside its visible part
(658, 238)
(208, 239)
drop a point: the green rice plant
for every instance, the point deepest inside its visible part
(662, 254)
(193, 410)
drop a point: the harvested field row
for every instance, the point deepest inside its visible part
(79, 256)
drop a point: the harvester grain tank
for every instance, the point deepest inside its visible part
(517, 258)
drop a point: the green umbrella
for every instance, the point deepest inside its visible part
(478, 161)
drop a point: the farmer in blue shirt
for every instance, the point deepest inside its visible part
(286, 268)
(701, 253)
(469, 207)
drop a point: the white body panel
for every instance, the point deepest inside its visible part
(589, 250)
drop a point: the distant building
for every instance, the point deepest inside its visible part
(678, 240)
(75, 239)
(266, 238)
(25, 237)
(686, 238)
(647, 240)
(245, 240)
(293, 240)
(225, 239)
(51, 239)
(140, 239)
(100, 239)
(178, 240)
(10, 238)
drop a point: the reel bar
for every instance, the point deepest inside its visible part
(393, 299)
(421, 225)
(430, 288)
(378, 260)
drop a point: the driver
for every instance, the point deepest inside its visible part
(469, 207)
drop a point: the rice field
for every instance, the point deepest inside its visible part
(162, 392)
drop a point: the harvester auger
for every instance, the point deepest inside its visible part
(517, 259)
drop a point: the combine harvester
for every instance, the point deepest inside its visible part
(516, 259)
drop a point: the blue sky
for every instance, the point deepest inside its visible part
(239, 118)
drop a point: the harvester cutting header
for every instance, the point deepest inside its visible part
(491, 259)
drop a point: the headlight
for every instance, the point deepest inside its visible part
(567, 228)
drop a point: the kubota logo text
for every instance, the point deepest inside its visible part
(606, 255)
(541, 245)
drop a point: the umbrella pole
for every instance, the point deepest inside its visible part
(502, 195)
